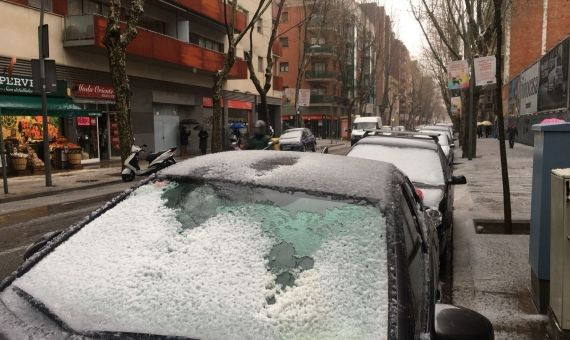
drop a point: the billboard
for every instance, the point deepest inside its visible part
(456, 106)
(514, 100)
(485, 71)
(528, 90)
(458, 75)
(553, 83)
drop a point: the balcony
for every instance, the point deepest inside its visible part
(318, 49)
(277, 49)
(213, 10)
(89, 31)
(318, 100)
(320, 76)
(278, 83)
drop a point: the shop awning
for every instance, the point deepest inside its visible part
(32, 106)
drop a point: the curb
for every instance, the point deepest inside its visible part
(42, 211)
(56, 192)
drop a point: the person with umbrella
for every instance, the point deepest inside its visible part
(203, 135)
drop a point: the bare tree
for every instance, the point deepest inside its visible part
(220, 77)
(116, 41)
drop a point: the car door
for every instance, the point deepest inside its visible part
(418, 266)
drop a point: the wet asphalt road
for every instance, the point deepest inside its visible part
(15, 238)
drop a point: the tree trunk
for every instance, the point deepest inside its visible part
(501, 121)
(118, 68)
(263, 108)
(217, 112)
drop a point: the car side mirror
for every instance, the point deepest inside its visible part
(458, 180)
(40, 243)
(459, 323)
(325, 150)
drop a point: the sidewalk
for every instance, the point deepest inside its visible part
(491, 273)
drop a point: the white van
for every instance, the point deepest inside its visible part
(363, 123)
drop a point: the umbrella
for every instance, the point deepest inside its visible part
(237, 125)
(479, 123)
(487, 123)
(552, 121)
(189, 121)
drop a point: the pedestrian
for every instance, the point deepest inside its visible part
(259, 141)
(479, 131)
(512, 132)
(487, 131)
(184, 135)
(203, 135)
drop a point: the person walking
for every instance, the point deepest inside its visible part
(479, 131)
(512, 132)
(184, 135)
(203, 135)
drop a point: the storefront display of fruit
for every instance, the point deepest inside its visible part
(63, 143)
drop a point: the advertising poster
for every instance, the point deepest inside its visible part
(289, 96)
(458, 75)
(528, 90)
(553, 84)
(514, 99)
(456, 106)
(485, 71)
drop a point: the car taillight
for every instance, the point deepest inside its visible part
(420, 194)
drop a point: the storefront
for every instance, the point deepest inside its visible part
(239, 112)
(21, 125)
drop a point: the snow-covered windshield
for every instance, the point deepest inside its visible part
(221, 261)
(294, 134)
(420, 165)
(364, 126)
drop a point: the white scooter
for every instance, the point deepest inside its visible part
(157, 161)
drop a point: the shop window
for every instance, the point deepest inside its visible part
(37, 4)
(153, 25)
(284, 16)
(284, 41)
(260, 64)
(93, 7)
(284, 67)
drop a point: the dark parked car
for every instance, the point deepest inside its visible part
(300, 139)
(423, 161)
(257, 245)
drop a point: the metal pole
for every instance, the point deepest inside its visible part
(47, 161)
(330, 128)
(471, 113)
(3, 158)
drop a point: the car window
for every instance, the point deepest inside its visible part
(292, 134)
(420, 165)
(364, 126)
(417, 259)
(221, 261)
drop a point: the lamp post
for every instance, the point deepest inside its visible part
(47, 161)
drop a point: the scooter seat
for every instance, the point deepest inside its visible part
(151, 157)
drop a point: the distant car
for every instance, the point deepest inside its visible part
(447, 129)
(423, 161)
(266, 245)
(446, 143)
(361, 124)
(300, 139)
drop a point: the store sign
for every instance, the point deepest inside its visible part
(456, 106)
(485, 71)
(553, 84)
(232, 104)
(16, 84)
(83, 121)
(528, 90)
(95, 91)
(458, 75)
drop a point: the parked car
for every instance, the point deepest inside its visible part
(299, 139)
(448, 130)
(361, 124)
(423, 161)
(446, 143)
(275, 246)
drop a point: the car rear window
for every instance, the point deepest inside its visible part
(221, 261)
(420, 165)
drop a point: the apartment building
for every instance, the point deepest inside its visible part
(170, 63)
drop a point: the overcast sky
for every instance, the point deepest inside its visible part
(406, 26)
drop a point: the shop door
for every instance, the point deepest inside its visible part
(165, 132)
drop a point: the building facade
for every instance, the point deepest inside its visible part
(171, 62)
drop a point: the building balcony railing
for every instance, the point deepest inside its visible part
(323, 99)
(278, 83)
(316, 49)
(89, 30)
(318, 75)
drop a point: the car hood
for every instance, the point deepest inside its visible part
(432, 196)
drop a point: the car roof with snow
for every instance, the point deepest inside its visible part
(311, 172)
(400, 141)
